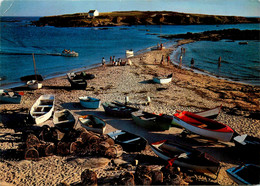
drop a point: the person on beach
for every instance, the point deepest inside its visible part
(192, 62)
(114, 60)
(180, 60)
(103, 62)
(162, 60)
(219, 61)
(110, 60)
(168, 60)
(161, 46)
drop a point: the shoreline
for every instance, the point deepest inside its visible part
(187, 91)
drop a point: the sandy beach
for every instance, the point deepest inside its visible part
(187, 91)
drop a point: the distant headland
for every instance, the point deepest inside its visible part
(138, 18)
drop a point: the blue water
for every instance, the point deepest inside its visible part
(19, 40)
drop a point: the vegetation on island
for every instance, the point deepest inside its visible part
(139, 18)
(216, 35)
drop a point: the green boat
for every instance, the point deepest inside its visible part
(151, 121)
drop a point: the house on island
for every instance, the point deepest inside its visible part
(93, 13)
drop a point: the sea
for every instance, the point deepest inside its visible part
(20, 39)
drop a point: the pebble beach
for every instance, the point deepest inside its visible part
(187, 91)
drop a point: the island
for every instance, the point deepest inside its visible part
(119, 18)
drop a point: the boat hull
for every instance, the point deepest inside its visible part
(6, 98)
(42, 109)
(193, 159)
(63, 120)
(118, 110)
(93, 123)
(225, 134)
(162, 80)
(77, 82)
(89, 102)
(129, 142)
(34, 85)
(247, 174)
(151, 122)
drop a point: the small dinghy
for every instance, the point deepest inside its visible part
(247, 174)
(32, 77)
(163, 79)
(203, 126)
(68, 53)
(130, 142)
(63, 120)
(246, 142)
(10, 97)
(151, 121)
(89, 102)
(34, 84)
(42, 109)
(118, 110)
(93, 123)
(77, 82)
(186, 157)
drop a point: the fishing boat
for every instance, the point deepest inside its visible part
(68, 53)
(77, 82)
(203, 126)
(129, 141)
(243, 43)
(10, 97)
(129, 53)
(163, 79)
(34, 84)
(43, 108)
(247, 174)
(89, 102)
(93, 123)
(63, 120)
(186, 157)
(85, 75)
(151, 121)
(118, 110)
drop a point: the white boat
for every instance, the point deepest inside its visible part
(10, 97)
(43, 108)
(129, 53)
(93, 123)
(68, 53)
(89, 102)
(203, 126)
(34, 84)
(163, 80)
(63, 119)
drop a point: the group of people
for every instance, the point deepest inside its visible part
(113, 61)
(168, 60)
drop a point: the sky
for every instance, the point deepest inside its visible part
(59, 7)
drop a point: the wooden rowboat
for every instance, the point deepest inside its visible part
(42, 109)
(93, 123)
(77, 82)
(162, 79)
(151, 121)
(129, 141)
(89, 102)
(32, 77)
(118, 110)
(186, 157)
(10, 97)
(63, 120)
(203, 126)
(247, 174)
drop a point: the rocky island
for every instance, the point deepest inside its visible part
(138, 18)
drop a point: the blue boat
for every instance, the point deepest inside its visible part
(10, 97)
(89, 102)
(248, 174)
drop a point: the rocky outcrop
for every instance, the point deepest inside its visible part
(216, 35)
(139, 18)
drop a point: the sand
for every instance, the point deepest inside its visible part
(187, 91)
